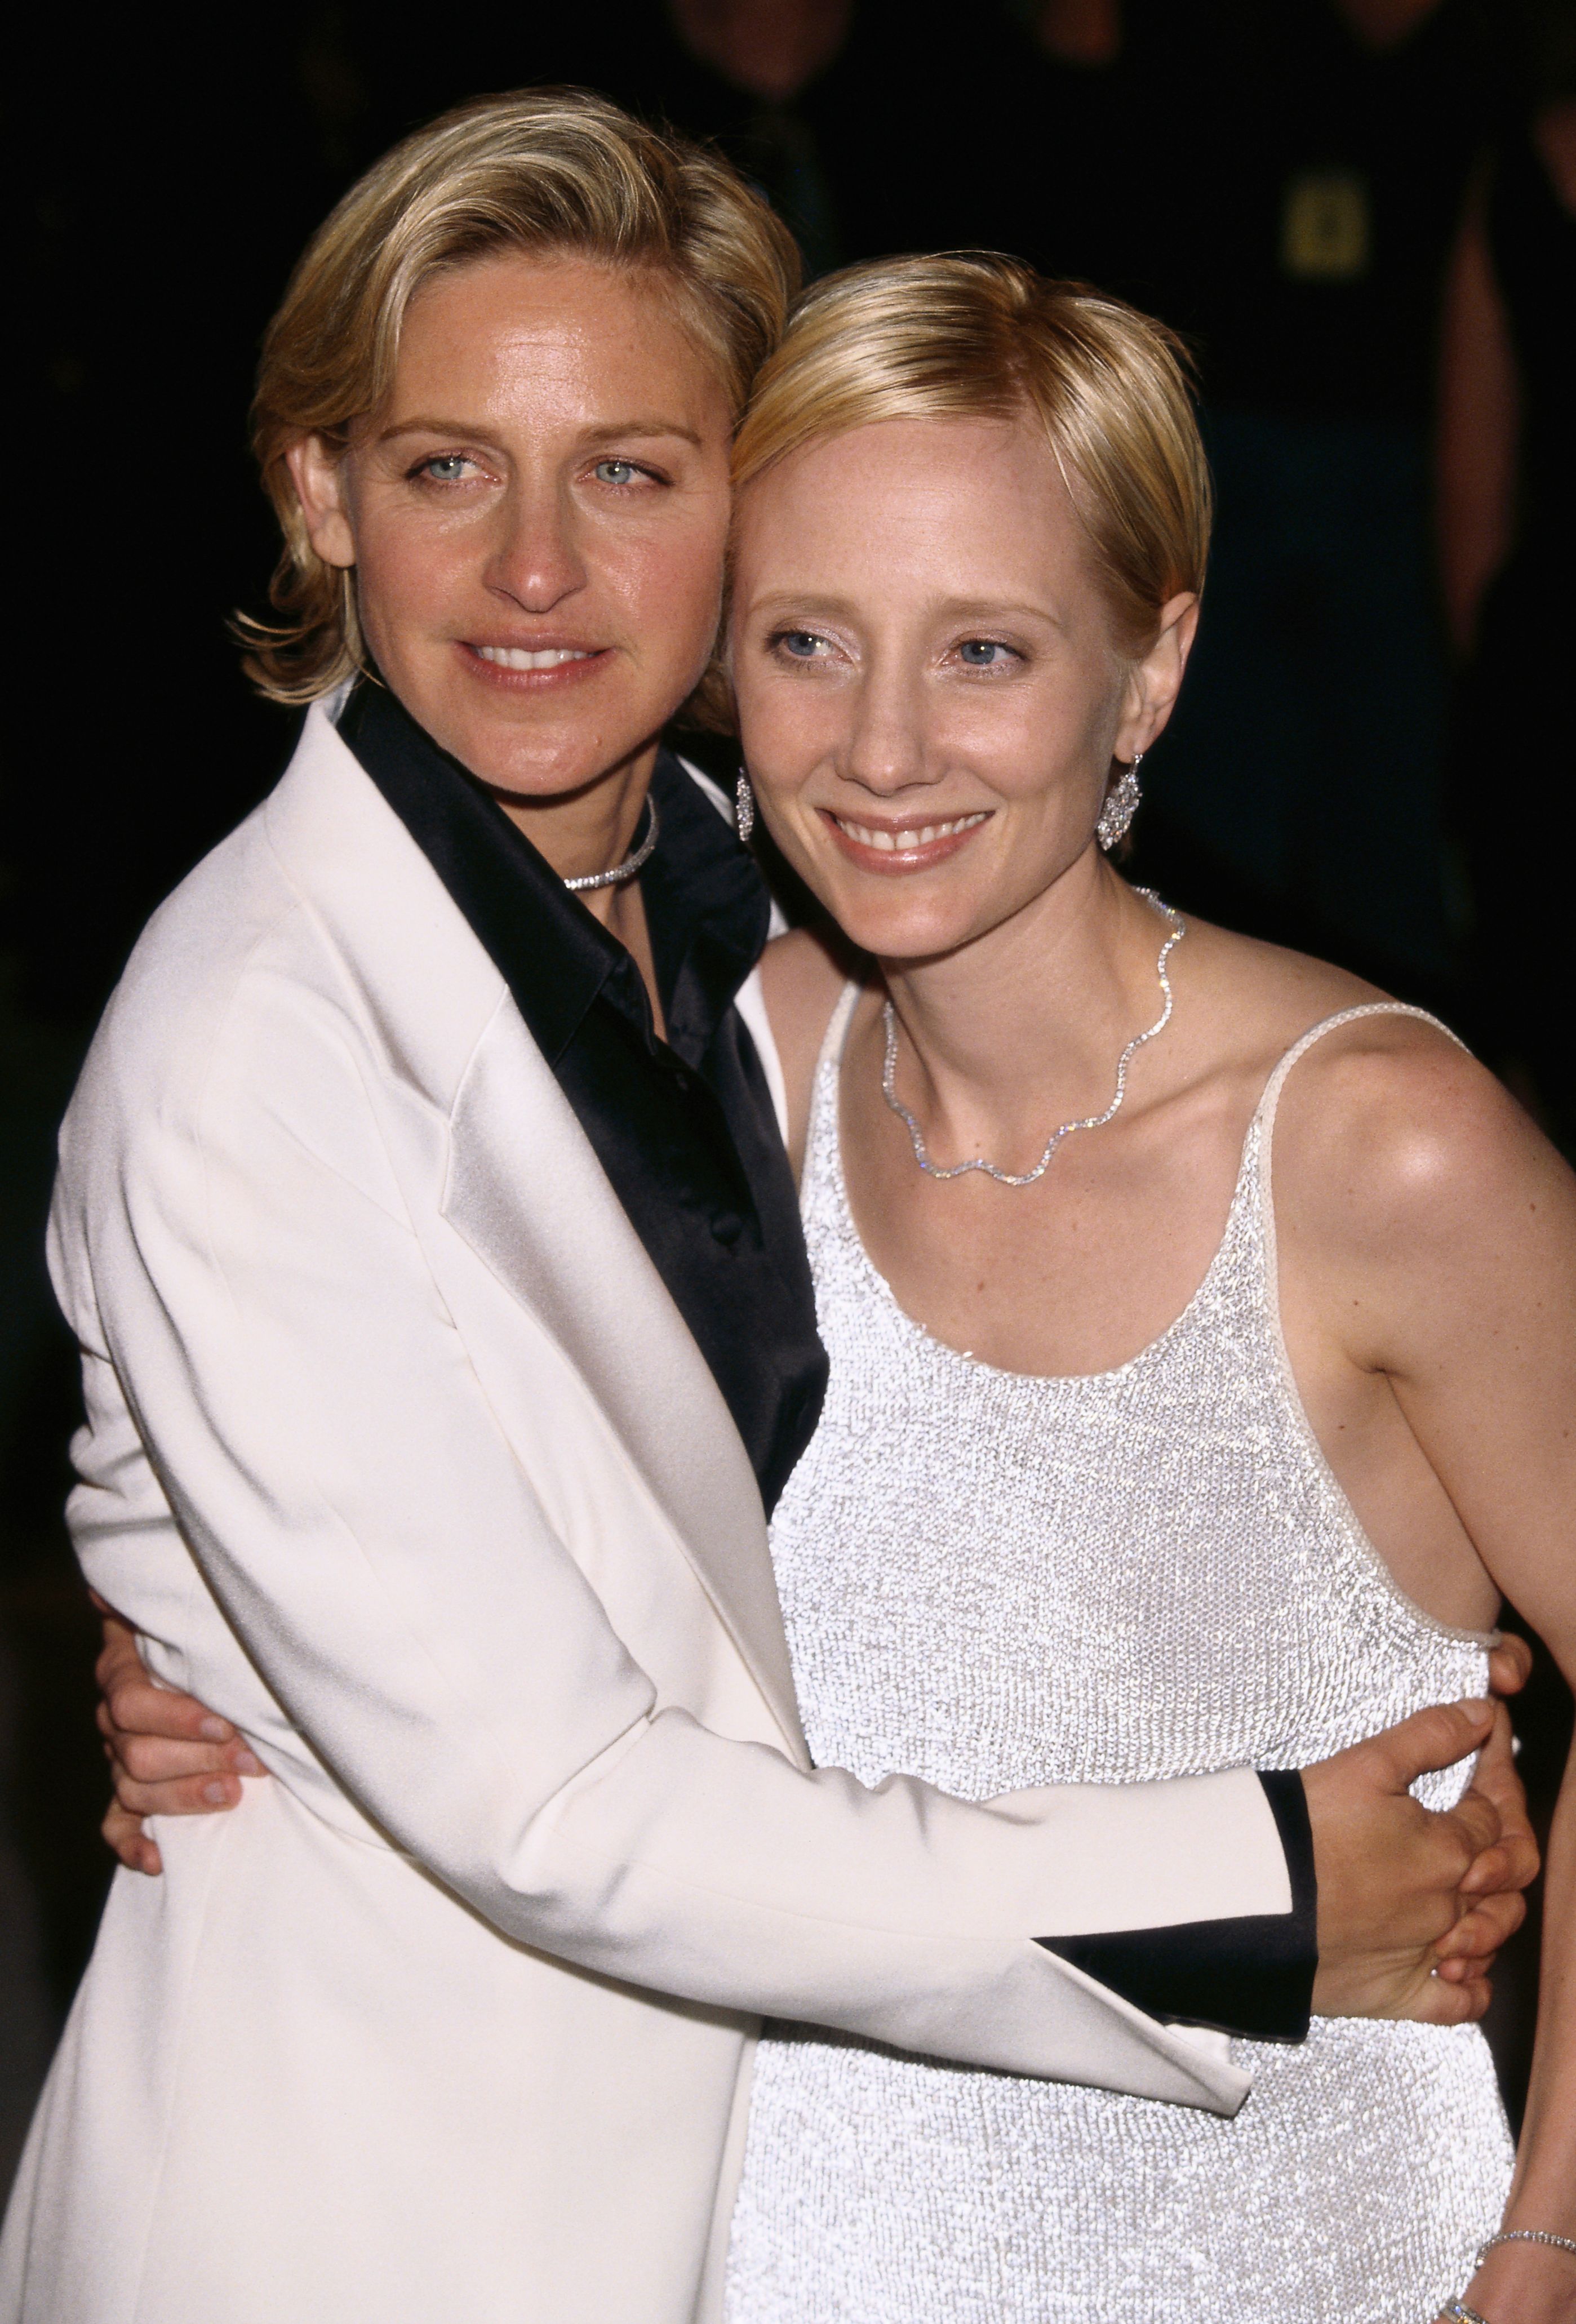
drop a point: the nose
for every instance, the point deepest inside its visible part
(885, 746)
(536, 561)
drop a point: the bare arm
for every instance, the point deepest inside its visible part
(1444, 1228)
(1479, 421)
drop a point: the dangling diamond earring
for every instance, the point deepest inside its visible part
(1121, 804)
(744, 808)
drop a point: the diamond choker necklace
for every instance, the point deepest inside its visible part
(630, 864)
(1177, 927)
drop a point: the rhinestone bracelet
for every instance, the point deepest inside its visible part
(1458, 2312)
(1524, 2235)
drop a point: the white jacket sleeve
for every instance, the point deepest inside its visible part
(252, 1286)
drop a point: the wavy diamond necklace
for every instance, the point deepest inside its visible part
(1177, 929)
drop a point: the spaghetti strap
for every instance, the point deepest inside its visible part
(821, 1129)
(835, 1039)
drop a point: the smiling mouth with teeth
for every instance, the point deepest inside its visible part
(907, 842)
(521, 658)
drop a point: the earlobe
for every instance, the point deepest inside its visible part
(317, 471)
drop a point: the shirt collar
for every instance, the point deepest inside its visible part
(707, 906)
(707, 909)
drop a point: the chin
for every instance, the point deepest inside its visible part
(897, 927)
(543, 755)
(538, 745)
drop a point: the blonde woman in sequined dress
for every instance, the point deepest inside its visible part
(1216, 1439)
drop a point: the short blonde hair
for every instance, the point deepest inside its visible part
(554, 170)
(974, 335)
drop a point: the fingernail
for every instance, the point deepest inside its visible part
(216, 1794)
(247, 1762)
(216, 1730)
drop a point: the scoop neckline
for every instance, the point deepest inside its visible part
(832, 1099)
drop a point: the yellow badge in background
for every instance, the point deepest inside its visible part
(1326, 228)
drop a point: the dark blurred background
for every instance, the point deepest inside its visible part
(1360, 213)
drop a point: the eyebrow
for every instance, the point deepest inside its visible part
(646, 428)
(992, 608)
(798, 601)
(956, 608)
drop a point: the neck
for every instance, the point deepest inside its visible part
(589, 830)
(1021, 1029)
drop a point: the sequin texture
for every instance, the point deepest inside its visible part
(991, 1581)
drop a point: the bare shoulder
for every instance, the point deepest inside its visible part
(1415, 1200)
(1385, 1117)
(1394, 1147)
(801, 979)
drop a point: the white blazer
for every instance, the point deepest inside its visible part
(399, 1454)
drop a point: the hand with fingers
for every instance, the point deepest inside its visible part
(1414, 1905)
(1493, 1905)
(170, 1755)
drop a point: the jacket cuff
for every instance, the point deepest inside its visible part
(1251, 1977)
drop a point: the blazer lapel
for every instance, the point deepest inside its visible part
(528, 1195)
(523, 1186)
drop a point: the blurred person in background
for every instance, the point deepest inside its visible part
(1508, 523)
(744, 69)
(758, 79)
(867, 123)
(1305, 764)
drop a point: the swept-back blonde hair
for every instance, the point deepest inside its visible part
(973, 336)
(549, 170)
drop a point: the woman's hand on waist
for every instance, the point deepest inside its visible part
(169, 1754)
(1406, 1893)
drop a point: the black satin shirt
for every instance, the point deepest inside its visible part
(683, 1126)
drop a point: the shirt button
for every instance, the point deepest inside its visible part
(727, 1226)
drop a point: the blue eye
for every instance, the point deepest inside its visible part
(615, 472)
(800, 644)
(444, 467)
(978, 653)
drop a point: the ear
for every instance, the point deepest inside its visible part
(1155, 682)
(317, 473)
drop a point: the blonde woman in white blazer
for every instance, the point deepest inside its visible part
(420, 1460)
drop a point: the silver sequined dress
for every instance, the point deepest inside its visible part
(993, 1581)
